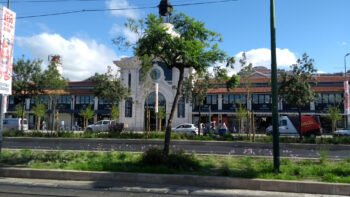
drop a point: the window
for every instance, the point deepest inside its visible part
(11, 100)
(181, 108)
(208, 100)
(325, 98)
(255, 99)
(129, 81)
(267, 99)
(283, 123)
(260, 98)
(128, 107)
(331, 99)
(225, 99)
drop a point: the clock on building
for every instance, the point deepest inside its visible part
(155, 74)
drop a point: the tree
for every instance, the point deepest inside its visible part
(295, 87)
(19, 111)
(242, 114)
(335, 115)
(161, 115)
(245, 74)
(54, 84)
(109, 87)
(195, 89)
(26, 81)
(87, 114)
(115, 112)
(187, 45)
(39, 111)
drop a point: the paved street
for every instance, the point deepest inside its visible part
(12, 187)
(227, 148)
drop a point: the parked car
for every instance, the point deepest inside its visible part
(14, 124)
(102, 125)
(342, 132)
(186, 128)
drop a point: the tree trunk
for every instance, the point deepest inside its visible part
(199, 120)
(171, 115)
(300, 134)
(22, 115)
(253, 126)
(38, 123)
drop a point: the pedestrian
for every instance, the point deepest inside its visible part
(43, 126)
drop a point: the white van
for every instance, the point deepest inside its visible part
(14, 124)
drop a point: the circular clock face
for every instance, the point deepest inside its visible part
(155, 74)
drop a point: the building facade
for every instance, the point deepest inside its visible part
(220, 105)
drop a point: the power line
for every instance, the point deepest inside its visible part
(64, 1)
(120, 9)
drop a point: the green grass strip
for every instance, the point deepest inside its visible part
(323, 169)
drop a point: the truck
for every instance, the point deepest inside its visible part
(14, 124)
(289, 125)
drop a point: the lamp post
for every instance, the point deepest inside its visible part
(276, 151)
(345, 65)
(346, 93)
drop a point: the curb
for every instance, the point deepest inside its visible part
(182, 180)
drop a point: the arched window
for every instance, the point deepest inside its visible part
(128, 107)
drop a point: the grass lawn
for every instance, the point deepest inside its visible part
(179, 163)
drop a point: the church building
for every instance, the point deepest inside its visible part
(138, 111)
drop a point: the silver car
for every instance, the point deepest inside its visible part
(102, 125)
(186, 128)
(342, 132)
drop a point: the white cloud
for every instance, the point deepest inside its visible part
(121, 4)
(80, 58)
(262, 57)
(125, 32)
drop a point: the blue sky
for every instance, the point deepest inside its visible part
(318, 27)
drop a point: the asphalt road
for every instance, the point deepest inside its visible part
(225, 148)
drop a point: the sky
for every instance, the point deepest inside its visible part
(320, 28)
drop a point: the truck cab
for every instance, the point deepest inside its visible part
(288, 125)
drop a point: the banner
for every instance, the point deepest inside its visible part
(346, 98)
(7, 33)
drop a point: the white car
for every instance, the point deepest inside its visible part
(186, 128)
(102, 125)
(342, 132)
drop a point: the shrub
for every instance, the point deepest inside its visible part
(152, 156)
(176, 160)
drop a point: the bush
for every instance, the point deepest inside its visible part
(176, 160)
(152, 156)
(116, 128)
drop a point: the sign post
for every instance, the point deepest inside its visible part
(7, 37)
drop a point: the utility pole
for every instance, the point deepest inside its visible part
(276, 151)
(2, 106)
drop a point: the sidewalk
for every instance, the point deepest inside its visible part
(90, 189)
(212, 183)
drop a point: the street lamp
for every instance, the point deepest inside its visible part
(345, 65)
(276, 151)
(346, 93)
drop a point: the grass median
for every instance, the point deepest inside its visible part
(323, 169)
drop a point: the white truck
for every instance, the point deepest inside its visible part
(289, 125)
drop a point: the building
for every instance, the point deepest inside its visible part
(221, 104)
